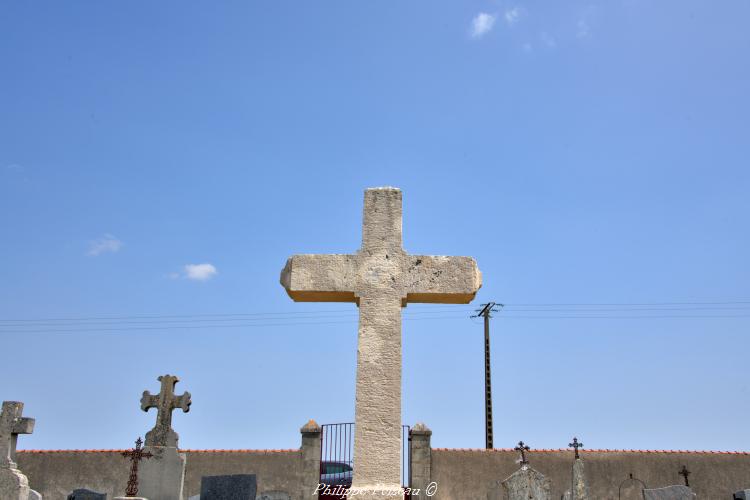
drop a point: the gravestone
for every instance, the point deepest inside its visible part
(742, 495)
(678, 492)
(580, 489)
(84, 494)
(527, 484)
(273, 495)
(163, 476)
(381, 278)
(13, 484)
(231, 487)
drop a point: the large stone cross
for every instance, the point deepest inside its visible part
(162, 434)
(11, 425)
(380, 278)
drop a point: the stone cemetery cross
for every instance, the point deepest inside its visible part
(380, 278)
(11, 425)
(685, 473)
(575, 444)
(162, 434)
(135, 455)
(523, 449)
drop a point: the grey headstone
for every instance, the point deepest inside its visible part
(580, 489)
(195, 497)
(34, 495)
(669, 493)
(273, 495)
(527, 484)
(84, 494)
(233, 487)
(742, 495)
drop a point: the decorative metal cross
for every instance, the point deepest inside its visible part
(135, 456)
(523, 449)
(162, 434)
(575, 445)
(685, 473)
(11, 425)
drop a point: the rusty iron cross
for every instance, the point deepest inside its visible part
(523, 449)
(575, 445)
(135, 455)
(685, 473)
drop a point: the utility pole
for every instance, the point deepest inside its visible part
(485, 312)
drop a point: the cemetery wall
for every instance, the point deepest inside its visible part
(55, 474)
(470, 474)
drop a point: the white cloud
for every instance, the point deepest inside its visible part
(200, 272)
(512, 15)
(105, 244)
(482, 24)
(14, 167)
(548, 40)
(583, 29)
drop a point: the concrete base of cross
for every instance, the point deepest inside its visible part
(15, 486)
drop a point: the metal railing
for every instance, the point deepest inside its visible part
(337, 454)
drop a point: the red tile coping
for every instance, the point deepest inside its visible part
(567, 450)
(494, 450)
(181, 451)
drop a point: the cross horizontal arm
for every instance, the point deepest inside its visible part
(149, 400)
(320, 278)
(442, 280)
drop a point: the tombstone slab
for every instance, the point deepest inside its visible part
(231, 487)
(678, 492)
(527, 484)
(580, 489)
(380, 278)
(742, 495)
(163, 476)
(84, 494)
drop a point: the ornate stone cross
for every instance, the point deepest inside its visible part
(162, 434)
(135, 455)
(380, 278)
(575, 445)
(11, 425)
(523, 449)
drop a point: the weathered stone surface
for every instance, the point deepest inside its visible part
(742, 495)
(234, 487)
(678, 492)
(13, 484)
(274, 495)
(11, 425)
(580, 489)
(162, 434)
(163, 476)
(527, 484)
(381, 278)
(84, 494)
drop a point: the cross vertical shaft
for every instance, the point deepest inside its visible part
(380, 278)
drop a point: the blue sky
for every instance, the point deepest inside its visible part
(584, 152)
